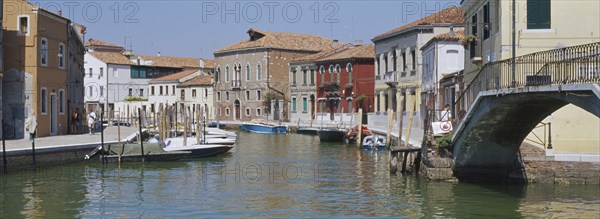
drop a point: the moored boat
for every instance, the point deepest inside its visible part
(199, 150)
(259, 127)
(133, 153)
(331, 135)
(374, 142)
(308, 131)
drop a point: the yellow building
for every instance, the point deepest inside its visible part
(540, 25)
(35, 69)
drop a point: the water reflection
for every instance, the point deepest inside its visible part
(276, 176)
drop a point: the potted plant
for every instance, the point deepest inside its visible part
(468, 39)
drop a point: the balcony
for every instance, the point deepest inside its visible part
(391, 78)
(236, 84)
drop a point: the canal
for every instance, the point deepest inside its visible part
(276, 176)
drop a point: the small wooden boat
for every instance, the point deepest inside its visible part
(133, 153)
(352, 135)
(264, 128)
(374, 142)
(331, 135)
(197, 150)
(308, 131)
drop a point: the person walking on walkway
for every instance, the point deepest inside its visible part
(92, 122)
(74, 117)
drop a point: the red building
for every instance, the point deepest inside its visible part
(346, 80)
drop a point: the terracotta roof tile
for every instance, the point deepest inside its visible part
(446, 36)
(360, 52)
(174, 62)
(95, 42)
(112, 58)
(315, 56)
(280, 40)
(176, 76)
(209, 63)
(202, 79)
(451, 15)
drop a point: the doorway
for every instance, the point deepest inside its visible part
(237, 110)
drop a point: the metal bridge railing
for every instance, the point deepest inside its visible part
(570, 65)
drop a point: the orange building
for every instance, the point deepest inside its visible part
(35, 69)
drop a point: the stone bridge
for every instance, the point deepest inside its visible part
(509, 98)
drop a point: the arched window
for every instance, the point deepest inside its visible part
(338, 71)
(227, 73)
(322, 71)
(247, 72)
(331, 71)
(258, 71)
(349, 70)
(218, 74)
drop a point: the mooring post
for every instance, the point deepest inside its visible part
(4, 165)
(140, 128)
(176, 122)
(418, 162)
(102, 136)
(404, 160)
(33, 153)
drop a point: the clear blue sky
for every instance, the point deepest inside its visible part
(197, 28)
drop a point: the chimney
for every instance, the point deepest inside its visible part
(358, 42)
(60, 13)
(158, 54)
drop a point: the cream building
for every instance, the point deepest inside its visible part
(540, 25)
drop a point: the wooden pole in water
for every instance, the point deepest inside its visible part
(359, 139)
(410, 120)
(198, 118)
(185, 126)
(388, 136)
(400, 128)
(202, 126)
(102, 136)
(141, 136)
(4, 163)
(119, 137)
(176, 122)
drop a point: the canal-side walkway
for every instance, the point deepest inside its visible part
(66, 142)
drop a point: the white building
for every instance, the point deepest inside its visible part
(164, 89)
(398, 62)
(198, 90)
(442, 55)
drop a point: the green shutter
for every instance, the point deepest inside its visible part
(538, 14)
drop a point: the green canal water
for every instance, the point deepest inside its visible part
(276, 176)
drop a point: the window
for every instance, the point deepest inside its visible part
(205, 92)
(23, 24)
(247, 95)
(349, 70)
(486, 21)
(304, 77)
(91, 72)
(90, 89)
(44, 100)
(452, 59)
(193, 92)
(130, 92)
(293, 77)
(219, 96)
(61, 56)
(141, 92)
(247, 111)
(350, 106)
(338, 71)
(227, 73)
(304, 104)
(293, 104)
(218, 74)
(473, 43)
(101, 90)
(404, 65)
(414, 60)
(385, 63)
(247, 72)
(227, 111)
(61, 101)
(182, 94)
(137, 72)
(227, 96)
(312, 77)
(258, 112)
(394, 59)
(322, 71)
(258, 97)
(166, 90)
(538, 14)
(258, 71)
(152, 90)
(44, 52)
(160, 90)
(173, 86)
(331, 70)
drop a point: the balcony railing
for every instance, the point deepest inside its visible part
(235, 84)
(570, 65)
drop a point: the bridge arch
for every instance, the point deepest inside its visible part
(487, 142)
